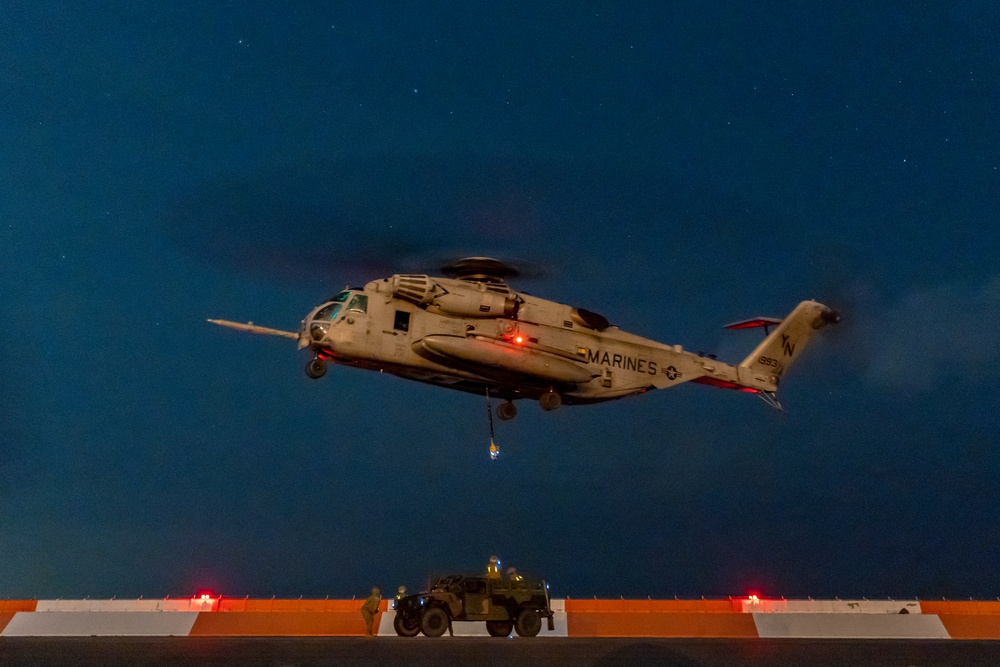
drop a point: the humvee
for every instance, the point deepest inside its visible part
(504, 604)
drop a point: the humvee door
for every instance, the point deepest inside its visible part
(477, 600)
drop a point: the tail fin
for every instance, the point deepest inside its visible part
(765, 366)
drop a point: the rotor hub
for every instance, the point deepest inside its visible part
(480, 269)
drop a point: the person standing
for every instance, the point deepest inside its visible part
(370, 608)
(493, 569)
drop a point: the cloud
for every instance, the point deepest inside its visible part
(929, 336)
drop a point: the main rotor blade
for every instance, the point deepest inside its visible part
(253, 328)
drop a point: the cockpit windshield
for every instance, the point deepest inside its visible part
(324, 317)
(330, 311)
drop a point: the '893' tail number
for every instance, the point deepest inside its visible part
(768, 361)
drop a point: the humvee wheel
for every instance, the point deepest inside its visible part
(403, 629)
(550, 401)
(528, 623)
(499, 628)
(506, 411)
(316, 368)
(434, 622)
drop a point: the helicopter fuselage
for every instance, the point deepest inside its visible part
(473, 333)
(475, 336)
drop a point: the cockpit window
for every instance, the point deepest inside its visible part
(359, 304)
(342, 297)
(328, 312)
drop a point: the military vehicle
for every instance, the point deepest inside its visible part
(517, 604)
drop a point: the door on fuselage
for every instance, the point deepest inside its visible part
(355, 316)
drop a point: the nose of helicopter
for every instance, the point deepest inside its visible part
(310, 331)
(313, 332)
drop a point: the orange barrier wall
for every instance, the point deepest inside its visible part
(281, 623)
(657, 618)
(288, 618)
(967, 619)
(653, 624)
(960, 607)
(10, 607)
(233, 604)
(971, 626)
(660, 606)
(5, 617)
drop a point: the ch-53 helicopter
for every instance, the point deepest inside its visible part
(470, 331)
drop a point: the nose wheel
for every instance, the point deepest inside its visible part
(316, 368)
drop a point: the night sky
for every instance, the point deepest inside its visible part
(673, 166)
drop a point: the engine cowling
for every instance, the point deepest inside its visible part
(456, 297)
(413, 287)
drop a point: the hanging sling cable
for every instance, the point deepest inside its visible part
(494, 449)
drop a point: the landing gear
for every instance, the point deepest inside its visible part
(550, 401)
(506, 411)
(316, 368)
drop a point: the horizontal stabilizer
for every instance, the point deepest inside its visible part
(754, 323)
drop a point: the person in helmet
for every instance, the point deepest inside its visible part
(493, 569)
(370, 608)
(512, 574)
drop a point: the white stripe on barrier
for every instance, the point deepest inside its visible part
(168, 604)
(830, 606)
(99, 624)
(850, 626)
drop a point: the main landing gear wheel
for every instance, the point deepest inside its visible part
(550, 401)
(528, 623)
(499, 628)
(404, 629)
(316, 368)
(434, 622)
(506, 411)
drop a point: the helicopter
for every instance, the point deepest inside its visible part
(469, 331)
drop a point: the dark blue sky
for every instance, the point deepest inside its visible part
(677, 166)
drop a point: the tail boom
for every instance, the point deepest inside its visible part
(767, 364)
